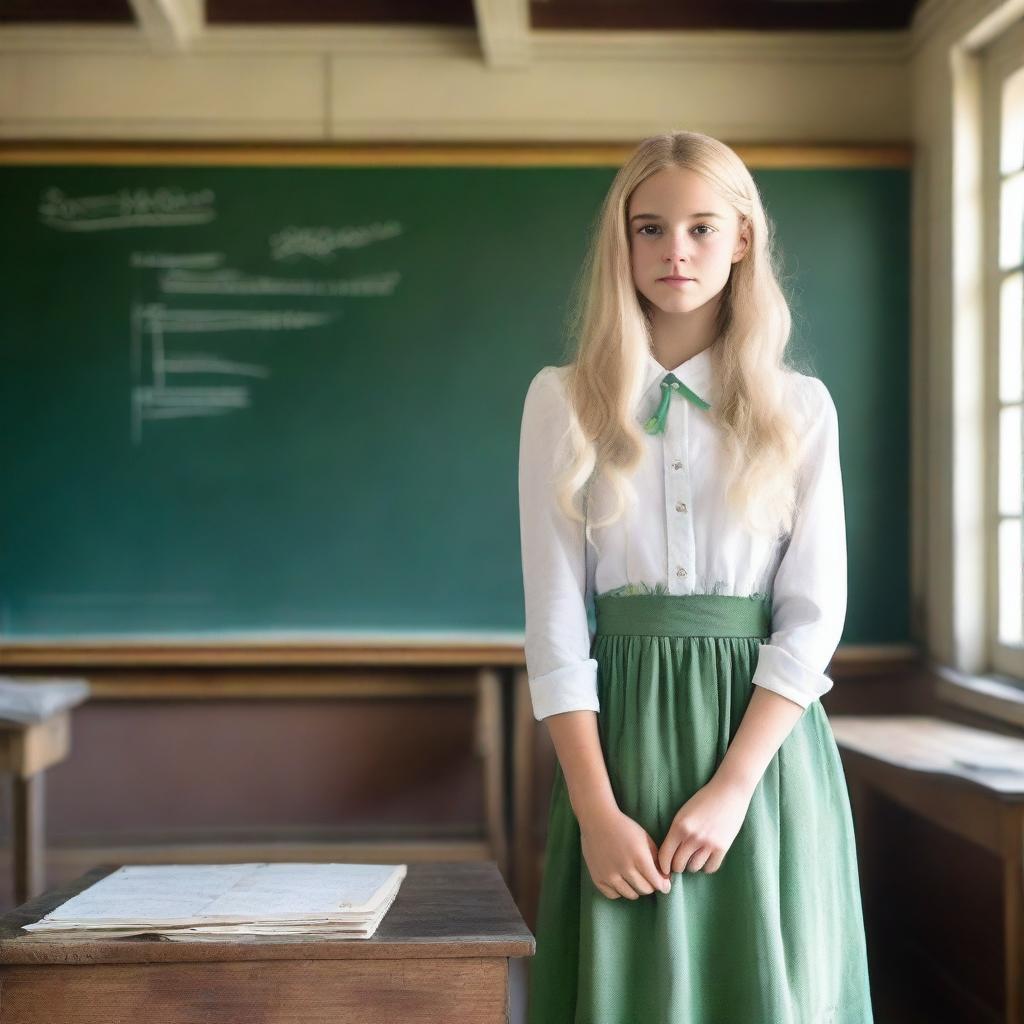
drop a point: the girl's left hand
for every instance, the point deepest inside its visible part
(704, 827)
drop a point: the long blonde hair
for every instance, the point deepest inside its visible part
(610, 339)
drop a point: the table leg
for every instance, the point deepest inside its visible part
(29, 836)
(490, 745)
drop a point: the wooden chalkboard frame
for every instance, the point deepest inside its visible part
(757, 155)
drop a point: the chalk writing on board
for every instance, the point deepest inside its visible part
(173, 402)
(234, 282)
(163, 384)
(126, 208)
(320, 243)
(201, 362)
(157, 395)
(187, 260)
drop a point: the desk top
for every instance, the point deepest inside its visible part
(443, 909)
(25, 702)
(991, 761)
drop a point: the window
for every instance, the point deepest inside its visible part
(1003, 168)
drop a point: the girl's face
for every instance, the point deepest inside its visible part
(679, 227)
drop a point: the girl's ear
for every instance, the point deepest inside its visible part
(743, 243)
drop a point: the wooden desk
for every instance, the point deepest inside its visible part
(35, 734)
(929, 782)
(440, 955)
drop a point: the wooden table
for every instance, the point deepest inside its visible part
(922, 763)
(440, 955)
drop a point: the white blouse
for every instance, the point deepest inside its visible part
(681, 535)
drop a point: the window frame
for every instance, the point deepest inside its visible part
(998, 61)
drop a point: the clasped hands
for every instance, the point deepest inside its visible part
(624, 860)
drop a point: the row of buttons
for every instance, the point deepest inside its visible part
(680, 505)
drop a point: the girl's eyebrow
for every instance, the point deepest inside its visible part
(654, 216)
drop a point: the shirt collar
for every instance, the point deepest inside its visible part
(697, 373)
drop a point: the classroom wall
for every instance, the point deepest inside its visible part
(350, 84)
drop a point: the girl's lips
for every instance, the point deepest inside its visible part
(675, 280)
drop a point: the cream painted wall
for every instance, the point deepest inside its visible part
(428, 84)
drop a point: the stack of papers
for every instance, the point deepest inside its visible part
(228, 902)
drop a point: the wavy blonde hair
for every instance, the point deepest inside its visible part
(610, 338)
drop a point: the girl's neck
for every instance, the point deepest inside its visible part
(676, 337)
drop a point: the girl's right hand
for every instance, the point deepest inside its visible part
(621, 857)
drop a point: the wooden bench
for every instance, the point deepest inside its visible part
(964, 779)
(372, 669)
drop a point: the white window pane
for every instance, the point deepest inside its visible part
(1010, 577)
(1011, 221)
(1011, 337)
(1013, 123)
(1009, 461)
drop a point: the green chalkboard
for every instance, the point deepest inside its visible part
(277, 398)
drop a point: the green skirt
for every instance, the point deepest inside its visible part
(776, 934)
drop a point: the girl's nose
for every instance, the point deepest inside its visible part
(678, 249)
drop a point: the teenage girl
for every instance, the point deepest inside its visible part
(700, 865)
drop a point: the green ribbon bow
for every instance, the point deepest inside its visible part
(670, 385)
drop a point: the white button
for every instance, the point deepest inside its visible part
(677, 464)
(680, 506)
(680, 571)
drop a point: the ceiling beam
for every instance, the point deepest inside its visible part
(503, 27)
(170, 25)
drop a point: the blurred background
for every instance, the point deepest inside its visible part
(276, 277)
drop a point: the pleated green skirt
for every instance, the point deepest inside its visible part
(776, 934)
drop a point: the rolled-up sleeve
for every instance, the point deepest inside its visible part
(562, 675)
(810, 589)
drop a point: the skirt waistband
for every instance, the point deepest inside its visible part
(684, 614)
